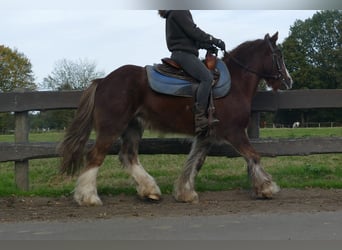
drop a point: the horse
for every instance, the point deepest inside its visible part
(296, 125)
(121, 105)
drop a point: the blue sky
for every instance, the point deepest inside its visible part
(112, 37)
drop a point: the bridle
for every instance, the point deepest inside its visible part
(276, 61)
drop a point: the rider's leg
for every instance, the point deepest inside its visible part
(194, 67)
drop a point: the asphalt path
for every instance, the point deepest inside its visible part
(293, 226)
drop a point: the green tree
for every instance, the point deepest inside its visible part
(313, 56)
(66, 75)
(71, 75)
(6, 123)
(15, 70)
(313, 51)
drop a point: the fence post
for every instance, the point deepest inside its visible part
(253, 127)
(22, 136)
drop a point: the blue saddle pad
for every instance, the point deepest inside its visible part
(173, 86)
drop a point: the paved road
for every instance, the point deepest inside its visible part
(324, 225)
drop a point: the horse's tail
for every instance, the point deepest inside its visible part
(71, 149)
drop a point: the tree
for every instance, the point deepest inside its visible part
(71, 75)
(15, 70)
(67, 75)
(313, 51)
(313, 56)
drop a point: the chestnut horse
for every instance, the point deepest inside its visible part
(122, 104)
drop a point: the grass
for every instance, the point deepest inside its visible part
(264, 133)
(218, 173)
(300, 132)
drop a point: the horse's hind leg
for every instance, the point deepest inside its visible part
(145, 183)
(184, 189)
(85, 192)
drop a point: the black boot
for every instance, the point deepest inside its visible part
(201, 120)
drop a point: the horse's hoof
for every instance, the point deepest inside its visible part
(194, 201)
(191, 197)
(153, 197)
(149, 192)
(92, 200)
(267, 191)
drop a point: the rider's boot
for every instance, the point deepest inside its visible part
(202, 123)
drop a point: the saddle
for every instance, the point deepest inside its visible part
(168, 78)
(170, 68)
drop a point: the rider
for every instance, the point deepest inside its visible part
(184, 39)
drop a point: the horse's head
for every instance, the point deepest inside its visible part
(275, 71)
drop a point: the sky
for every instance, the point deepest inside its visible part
(111, 38)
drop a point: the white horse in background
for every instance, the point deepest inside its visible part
(296, 125)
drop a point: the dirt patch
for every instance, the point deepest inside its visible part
(14, 209)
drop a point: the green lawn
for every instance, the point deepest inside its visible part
(264, 133)
(300, 132)
(218, 173)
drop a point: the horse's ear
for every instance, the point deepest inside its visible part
(267, 36)
(274, 38)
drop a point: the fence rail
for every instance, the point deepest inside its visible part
(266, 147)
(21, 151)
(264, 100)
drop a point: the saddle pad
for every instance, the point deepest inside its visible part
(177, 87)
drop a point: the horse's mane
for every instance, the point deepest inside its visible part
(243, 50)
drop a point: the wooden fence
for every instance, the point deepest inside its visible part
(21, 151)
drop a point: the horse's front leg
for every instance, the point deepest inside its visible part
(184, 189)
(262, 184)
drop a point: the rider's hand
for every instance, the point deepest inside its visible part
(212, 50)
(219, 43)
